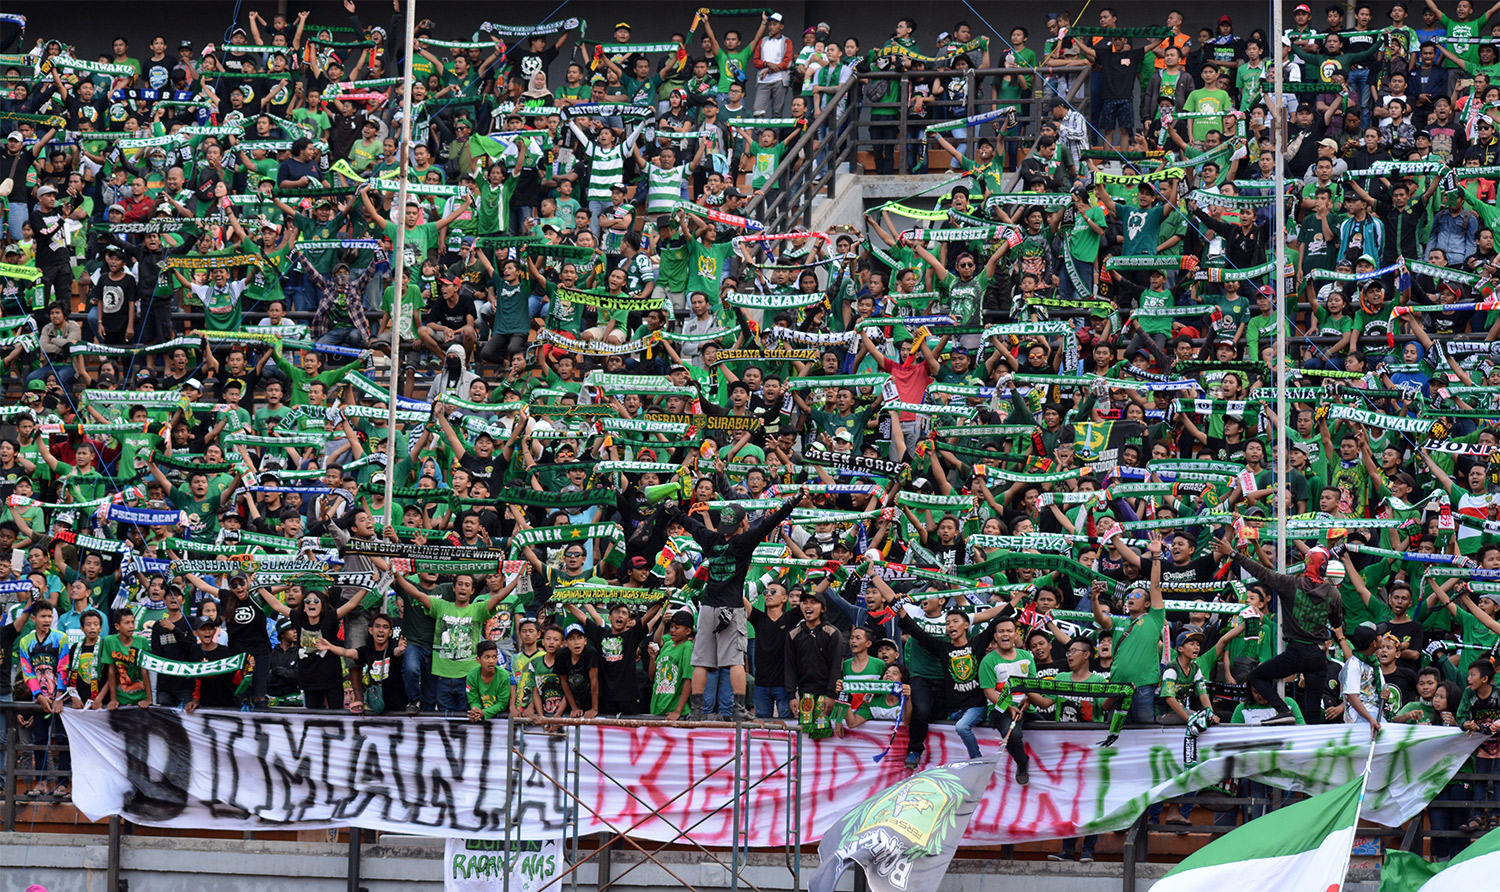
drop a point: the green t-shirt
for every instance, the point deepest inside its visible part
(411, 302)
(1202, 100)
(674, 668)
(965, 299)
(732, 65)
(456, 636)
(995, 671)
(420, 240)
(493, 696)
(130, 676)
(706, 268)
(1138, 649)
(318, 121)
(765, 160)
(1083, 241)
(363, 154)
(1142, 228)
(265, 280)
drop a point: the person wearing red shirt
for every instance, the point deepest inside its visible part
(910, 376)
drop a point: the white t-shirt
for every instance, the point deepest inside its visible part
(1363, 679)
(774, 50)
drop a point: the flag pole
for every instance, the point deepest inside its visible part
(1363, 786)
(398, 281)
(1278, 243)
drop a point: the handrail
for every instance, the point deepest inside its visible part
(788, 160)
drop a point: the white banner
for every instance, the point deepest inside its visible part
(257, 771)
(481, 865)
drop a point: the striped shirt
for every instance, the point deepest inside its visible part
(608, 169)
(665, 188)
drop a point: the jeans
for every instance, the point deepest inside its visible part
(172, 698)
(924, 697)
(1143, 705)
(47, 731)
(1299, 656)
(538, 305)
(1015, 742)
(63, 370)
(1359, 80)
(718, 693)
(416, 672)
(1444, 847)
(967, 719)
(595, 209)
(772, 703)
(20, 212)
(344, 337)
(302, 295)
(1067, 290)
(5, 716)
(452, 694)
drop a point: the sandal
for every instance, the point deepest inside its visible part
(1471, 826)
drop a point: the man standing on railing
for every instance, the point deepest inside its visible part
(773, 59)
(721, 638)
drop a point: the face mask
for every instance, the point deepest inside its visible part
(454, 365)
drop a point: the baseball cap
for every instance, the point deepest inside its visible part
(193, 383)
(46, 190)
(1224, 19)
(730, 516)
(1187, 635)
(206, 622)
(638, 563)
(15, 135)
(775, 17)
(1329, 143)
(619, 25)
(572, 628)
(1302, 7)
(1366, 258)
(36, 386)
(845, 435)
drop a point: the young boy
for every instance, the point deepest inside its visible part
(578, 668)
(489, 690)
(673, 667)
(127, 682)
(1360, 681)
(1183, 679)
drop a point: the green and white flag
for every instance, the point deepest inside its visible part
(1476, 868)
(1303, 846)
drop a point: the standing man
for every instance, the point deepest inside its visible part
(721, 639)
(773, 60)
(1310, 604)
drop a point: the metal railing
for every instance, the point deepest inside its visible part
(832, 139)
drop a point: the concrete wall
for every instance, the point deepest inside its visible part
(65, 863)
(92, 24)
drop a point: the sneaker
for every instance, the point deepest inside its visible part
(414, 707)
(1086, 858)
(911, 761)
(1283, 717)
(1023, 776)
(1057, 856)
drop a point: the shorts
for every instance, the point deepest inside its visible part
(720, 650)
(1116, 113)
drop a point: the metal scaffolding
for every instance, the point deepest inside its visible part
(525, 768)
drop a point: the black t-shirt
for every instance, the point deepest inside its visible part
(173, 641)
(1120, 72)
(14, 168)
(114, 298)
(770, 646)
(1411, 636)
(159, 71)
(215, 691)
(378, 666)
(52, 247)
(576, 671)
(317, 670)
(1200, 569)
(618, 679)
(528, 63)
(245, 622)
(455, 317)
